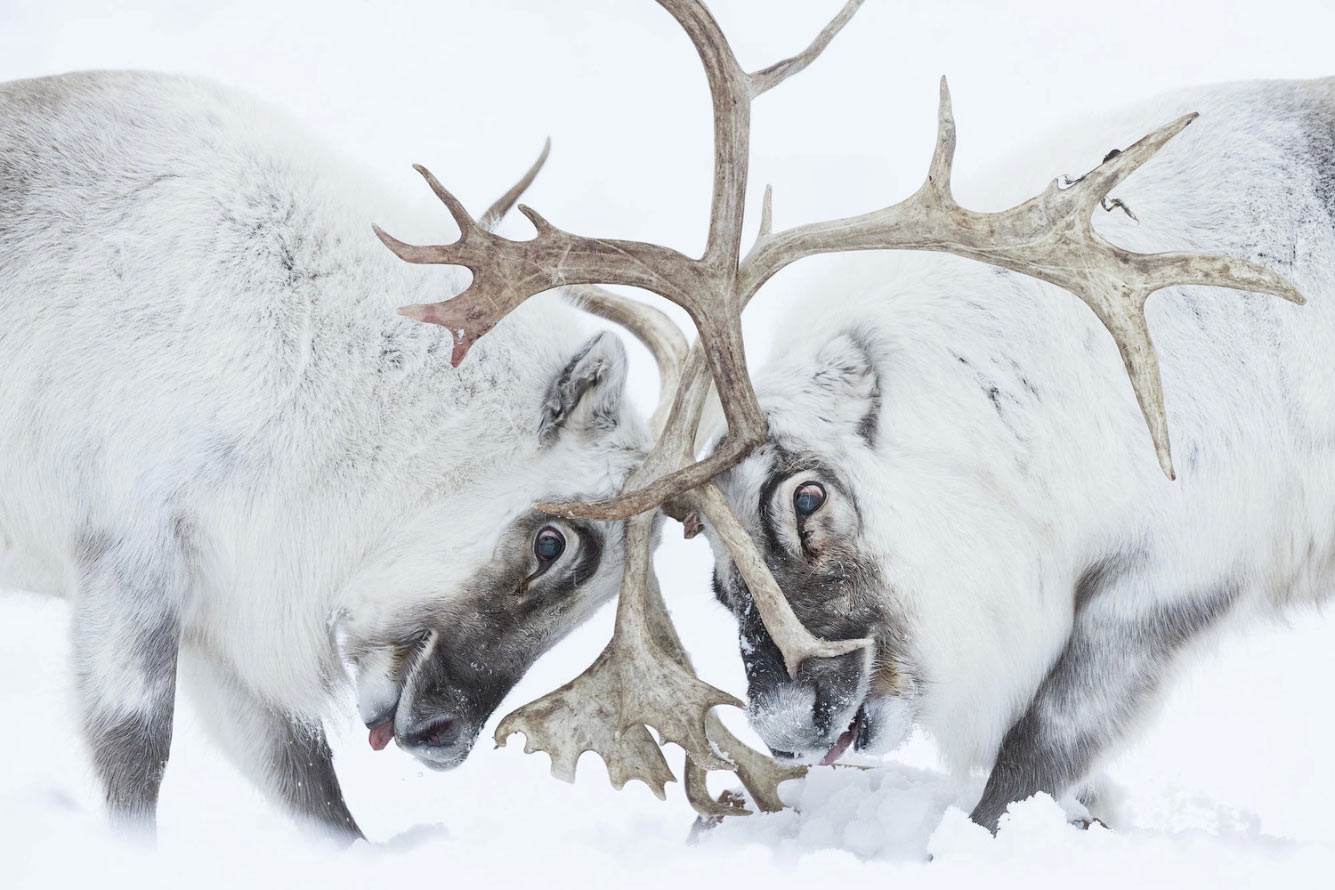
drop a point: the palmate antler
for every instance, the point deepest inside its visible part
(643, 677)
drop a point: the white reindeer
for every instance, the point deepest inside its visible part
(957, 468)
(220, 442)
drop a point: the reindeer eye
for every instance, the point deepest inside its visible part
(548, 545)
(808, 498)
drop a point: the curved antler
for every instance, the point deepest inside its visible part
(1050, 237)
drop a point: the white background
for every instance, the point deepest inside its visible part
(1230, 783)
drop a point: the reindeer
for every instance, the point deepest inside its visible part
(954, 469)
(940, 508)
(233, 457)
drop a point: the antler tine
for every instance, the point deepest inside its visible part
(461, 216)
(585, 715)
(767, 213)
(943, 156)
(653, 328)
(794, 641)
(768, 78)
(660, 490)
(760, 774)
(502, 205)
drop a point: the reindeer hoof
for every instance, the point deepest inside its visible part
(1088, 822)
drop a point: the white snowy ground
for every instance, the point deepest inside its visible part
(1230, 782)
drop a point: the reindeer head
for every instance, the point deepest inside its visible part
(474, 584)
(643, 676)
(800, 496)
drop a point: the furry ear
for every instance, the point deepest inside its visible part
(586, 396)
(849, 384)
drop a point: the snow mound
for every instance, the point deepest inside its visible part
(887, 812)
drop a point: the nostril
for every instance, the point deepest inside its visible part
(438, 732)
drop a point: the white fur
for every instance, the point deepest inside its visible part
(201, 356)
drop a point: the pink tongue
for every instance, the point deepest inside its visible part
(840, 746)
(381, 734)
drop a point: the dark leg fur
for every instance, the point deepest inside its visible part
(130, 755)
(302, 770)
(287, 757)
(1110, 668)
(125, 642)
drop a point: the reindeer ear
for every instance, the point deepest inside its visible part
(586, 396)
(849, 385)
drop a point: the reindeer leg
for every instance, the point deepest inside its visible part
(125, 637)
(1109, 670)
(286, 756)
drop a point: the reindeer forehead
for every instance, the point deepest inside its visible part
(742, 485)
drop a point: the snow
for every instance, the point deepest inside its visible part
(1207, 797)
(1227, 786)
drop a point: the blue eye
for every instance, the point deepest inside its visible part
(808, 498)
(548, 545)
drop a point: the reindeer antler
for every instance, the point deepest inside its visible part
(507, 272)
(644, 677)
(1049, 237)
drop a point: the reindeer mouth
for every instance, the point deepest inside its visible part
(856, 736)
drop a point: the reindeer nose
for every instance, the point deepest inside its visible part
(440, 731)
